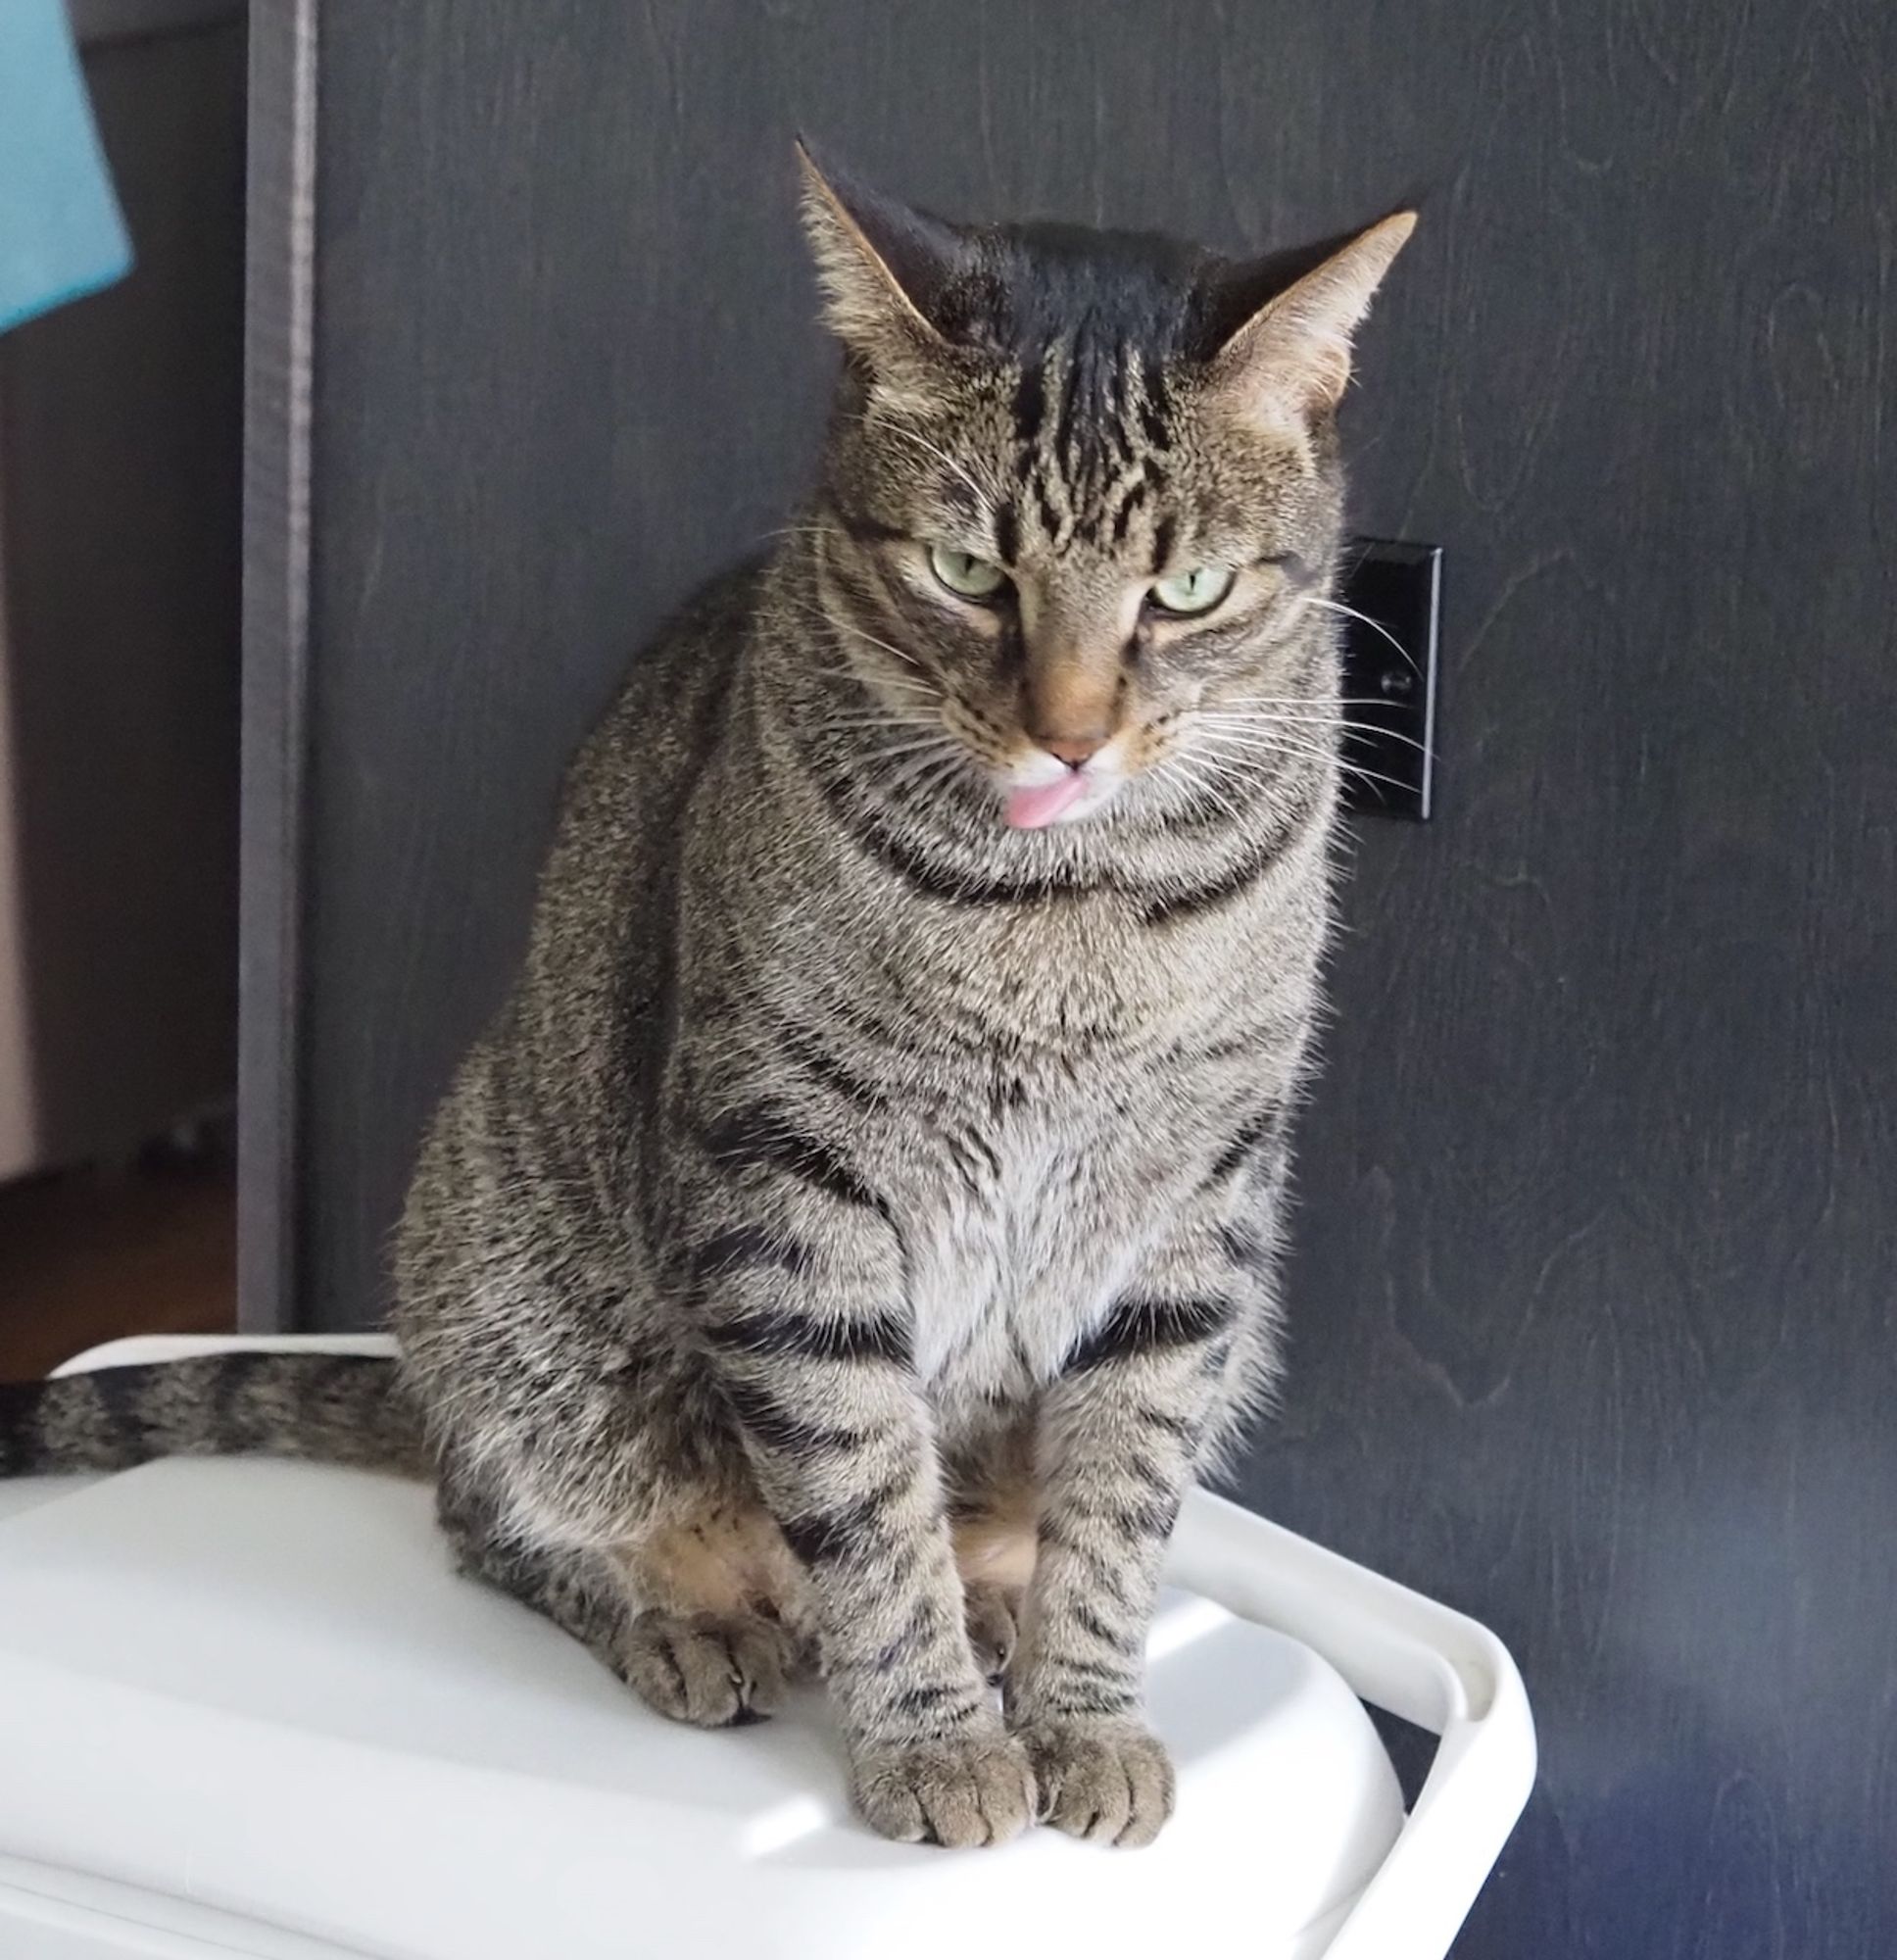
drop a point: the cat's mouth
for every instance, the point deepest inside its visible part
(1041, 790)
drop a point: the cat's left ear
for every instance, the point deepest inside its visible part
(1294, 353)
(883, 266)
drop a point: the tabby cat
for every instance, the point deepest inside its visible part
(857, 1228)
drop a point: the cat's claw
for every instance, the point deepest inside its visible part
(958, 1790)
(712, 1671)
(1108, 1781)
(994, 1625)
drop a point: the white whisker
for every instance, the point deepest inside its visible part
(866, 680)
(1374, 776)
(1252, 745)
(915, 775)
(876, 722)
(914, 759)
(1341, 723)
(1303, 700)
(941, 455)
(883, 646)
(1375, 625)
(1305, 751)
(1197, 774)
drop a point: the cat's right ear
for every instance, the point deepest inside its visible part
(883, 266)
(1292, 354)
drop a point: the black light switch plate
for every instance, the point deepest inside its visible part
(1390, 665)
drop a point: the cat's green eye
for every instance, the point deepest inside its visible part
(964, 574)
(1196, 591)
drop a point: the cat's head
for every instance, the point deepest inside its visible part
(1081, 492)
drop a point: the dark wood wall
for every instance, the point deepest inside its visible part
(1593, 1294)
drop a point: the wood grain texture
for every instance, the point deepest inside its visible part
(1593, 1294)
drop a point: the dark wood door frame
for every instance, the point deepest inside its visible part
(278, 350)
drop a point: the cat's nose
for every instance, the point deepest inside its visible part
(1074, 750)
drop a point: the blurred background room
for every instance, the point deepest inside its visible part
(121, 439)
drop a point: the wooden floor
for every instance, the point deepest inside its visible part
(88, 1255)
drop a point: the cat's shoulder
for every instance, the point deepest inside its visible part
(681, 673)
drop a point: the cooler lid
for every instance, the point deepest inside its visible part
(260, 1687)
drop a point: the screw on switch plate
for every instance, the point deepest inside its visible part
(1389, 661)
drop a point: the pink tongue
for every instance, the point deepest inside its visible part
(1031, 810)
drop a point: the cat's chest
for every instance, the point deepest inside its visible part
(1019, 1229)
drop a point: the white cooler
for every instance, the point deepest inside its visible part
(246, 1707)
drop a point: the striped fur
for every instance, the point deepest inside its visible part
(337, 1408)
(856, 1229)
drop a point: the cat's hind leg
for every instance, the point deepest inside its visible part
(699, 1612)
(724, 1632)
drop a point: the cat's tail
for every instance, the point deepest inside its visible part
(333, 1408)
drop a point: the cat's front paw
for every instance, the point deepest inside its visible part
(957, 1790)
(1109, 1780)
